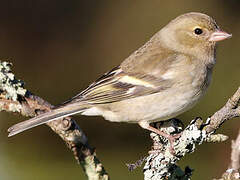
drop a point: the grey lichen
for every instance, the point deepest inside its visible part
(9, 85)
(91, 166)
(161, 163)
(191, 136)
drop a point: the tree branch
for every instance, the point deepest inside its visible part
(232, 173)
(235, 155)
(161, 164)
(15, 98)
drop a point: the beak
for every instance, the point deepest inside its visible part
(219, 36)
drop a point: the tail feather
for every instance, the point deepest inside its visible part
(55, 114)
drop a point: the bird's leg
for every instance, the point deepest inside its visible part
(171, 138)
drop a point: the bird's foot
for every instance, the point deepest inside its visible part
(157, 148)
(160, 147)
(172, 139)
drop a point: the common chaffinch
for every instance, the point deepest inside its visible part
(162, 79)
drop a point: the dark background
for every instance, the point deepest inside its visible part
(59, 47)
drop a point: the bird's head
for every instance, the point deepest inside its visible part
(193, 33)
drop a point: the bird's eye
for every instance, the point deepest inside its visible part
(198, 31)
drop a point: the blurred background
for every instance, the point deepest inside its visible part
(59, 47)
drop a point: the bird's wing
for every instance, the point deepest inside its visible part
(116, 85)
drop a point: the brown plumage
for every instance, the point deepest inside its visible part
(161, 80)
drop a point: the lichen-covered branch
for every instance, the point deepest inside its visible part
(161, 164)
(15, 98)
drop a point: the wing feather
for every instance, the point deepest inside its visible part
(117, 85)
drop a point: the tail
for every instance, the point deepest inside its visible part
(57, 113)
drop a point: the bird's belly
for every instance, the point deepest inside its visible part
(151, 108)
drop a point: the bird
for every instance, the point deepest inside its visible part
(165, 77)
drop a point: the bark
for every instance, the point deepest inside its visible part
(15, 98)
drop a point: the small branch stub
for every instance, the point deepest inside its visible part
(232, 173)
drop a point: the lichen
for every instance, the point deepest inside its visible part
(94, 168)
(14, 107)
(162, 164)
(190, 137)
(10, 87)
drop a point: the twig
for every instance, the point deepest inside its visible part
(235, 155)
(230, 110)
(232, 173)
(15, 98)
